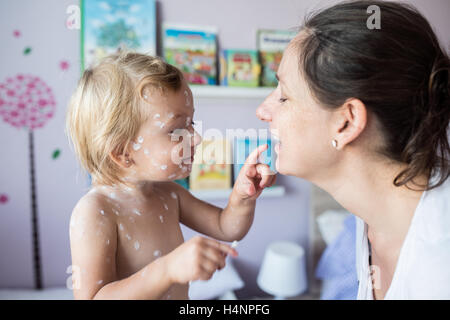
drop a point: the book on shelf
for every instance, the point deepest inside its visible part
(212, 166)
(193, 50)
(107, 27)
(239, 68)
(271, 44)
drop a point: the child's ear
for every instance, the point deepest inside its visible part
(122, 160)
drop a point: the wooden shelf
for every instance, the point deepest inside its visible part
(222, 92)
(272, 192)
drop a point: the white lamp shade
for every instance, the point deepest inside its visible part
(283, 271)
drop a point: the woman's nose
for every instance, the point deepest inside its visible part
(264, 111)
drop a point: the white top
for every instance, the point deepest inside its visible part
(423, 266)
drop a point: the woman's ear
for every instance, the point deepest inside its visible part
(351, 123)
(122, 160)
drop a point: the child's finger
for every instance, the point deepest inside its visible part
(222, 247)
(265, 173)
(252, 159)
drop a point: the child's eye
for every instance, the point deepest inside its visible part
(282, 100)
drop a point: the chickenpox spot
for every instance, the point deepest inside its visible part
(140, 139)
(163, 167)
(157, 253)
(102, 212)
(165, 206)
(128, 236)
(121, 226)
(137, 245)
(136, 146)
(146, 152)
(173, 195)
(156, 116)
(161, 218)
(136, 211)
(115, 212)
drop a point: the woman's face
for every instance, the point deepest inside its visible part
(301, 125)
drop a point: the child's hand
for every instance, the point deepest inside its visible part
(197, 259)
(254, 176)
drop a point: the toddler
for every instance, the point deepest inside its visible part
(130, 123)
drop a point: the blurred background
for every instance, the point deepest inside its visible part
(44, 48)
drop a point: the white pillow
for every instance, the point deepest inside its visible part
(222, 281)
(331, 223)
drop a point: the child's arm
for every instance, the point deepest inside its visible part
(233, 222)
(93, 237)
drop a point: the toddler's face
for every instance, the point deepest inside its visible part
(165, 145)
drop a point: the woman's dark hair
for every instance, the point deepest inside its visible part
(398, 71)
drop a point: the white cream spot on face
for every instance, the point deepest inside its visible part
(136, 211)
(160, 124)
(161, 218)
(146, 152)
(115, 212)
(140, 139)
(102, 212)
(137, 245)
(112, 195)
(100, 282)
(188, 121)
(173, 195)
(170, 115)
(157, 253)
(136, 146)
(163, 167)
(172, 176)
(165, 206)
(156, 116)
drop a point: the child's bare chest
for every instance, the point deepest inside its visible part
(145, 231)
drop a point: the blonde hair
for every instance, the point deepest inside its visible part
(108, 108)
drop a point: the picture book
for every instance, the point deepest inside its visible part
(271, 44)
(108, 26)
(193, 50)
(244, 146)
(212, 166)
(240, 68)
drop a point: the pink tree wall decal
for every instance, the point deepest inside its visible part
(27, 102)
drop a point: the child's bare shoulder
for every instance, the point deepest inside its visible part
(93, 206)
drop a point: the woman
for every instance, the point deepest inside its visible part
(364, 114)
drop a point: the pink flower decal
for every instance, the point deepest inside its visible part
(26, 101)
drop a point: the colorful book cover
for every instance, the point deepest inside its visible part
(193, 50)
(212, 166)
(244, 146)
(108, 26)
(240, 68)
(271, 44)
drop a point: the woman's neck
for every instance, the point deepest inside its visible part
(365, 188)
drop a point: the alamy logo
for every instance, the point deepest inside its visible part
(374, 20)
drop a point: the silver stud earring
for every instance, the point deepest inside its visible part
(334, 143)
